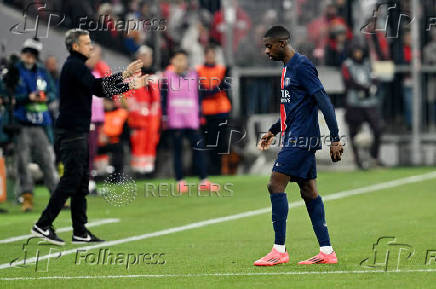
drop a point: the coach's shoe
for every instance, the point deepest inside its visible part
(182, 188)
(206, 185)
(86, 237)
(321, 258)
(48, 234)
(273, 258)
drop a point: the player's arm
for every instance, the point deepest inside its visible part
(327, 109)
(308, 77)
(267, 138)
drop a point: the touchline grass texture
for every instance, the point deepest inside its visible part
(221, 254)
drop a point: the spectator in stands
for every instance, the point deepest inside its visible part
(33, 93)
(144, 117)
(181, 115)
(361, 100)
(99, 69)
(51, 64)
(336, 49)
(216, 108)
(320, 30)
(240, 28)
(429, 58)
(407, 79)
(379, 51)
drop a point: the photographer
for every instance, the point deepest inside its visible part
(34, 91)
(361, 100)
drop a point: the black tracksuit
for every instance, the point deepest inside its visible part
(77, 85)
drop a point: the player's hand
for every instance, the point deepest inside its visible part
(133, 68)
(336, 151)
(137, 82)
(265, 141)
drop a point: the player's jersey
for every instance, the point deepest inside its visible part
(298, 107)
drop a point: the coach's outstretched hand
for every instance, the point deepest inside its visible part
(133, 68)
(265, 141)
(336, 151)
(137, 82)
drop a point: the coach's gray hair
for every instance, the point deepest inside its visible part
(72, 36)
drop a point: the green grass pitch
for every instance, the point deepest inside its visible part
(221, 254)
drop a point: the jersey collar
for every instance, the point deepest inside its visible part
(293, 60)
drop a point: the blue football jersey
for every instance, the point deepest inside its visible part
(298, 106)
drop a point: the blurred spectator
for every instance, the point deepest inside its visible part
(51, 64)
(99, 69)
(241, 25)
(35, 90)
(407, 80)
(197, 37)
(361, 100)
(181, 115)
(216, 108)
(429, 58)
(113, 135)
(336, 49)
(379, 50)
(323, 30)
(144, 117)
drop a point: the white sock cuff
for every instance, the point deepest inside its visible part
(280, 248)
(326, 249)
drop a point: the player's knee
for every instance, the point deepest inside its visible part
(274, 188)
(308, 194)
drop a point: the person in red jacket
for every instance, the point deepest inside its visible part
(144, 117)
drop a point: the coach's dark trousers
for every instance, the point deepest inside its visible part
(72, 151)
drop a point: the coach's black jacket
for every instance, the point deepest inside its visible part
(77, 85)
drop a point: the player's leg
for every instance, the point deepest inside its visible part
(315, 209)
(279, 208)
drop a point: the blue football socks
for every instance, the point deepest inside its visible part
(315, 208)
(280, 208)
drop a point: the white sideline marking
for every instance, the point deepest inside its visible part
(61, 230)
(335, 196)
(215, 274)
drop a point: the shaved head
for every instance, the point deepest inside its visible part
(278, 33)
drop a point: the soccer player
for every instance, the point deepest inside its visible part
(302, 96)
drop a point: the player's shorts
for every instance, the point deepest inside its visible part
(298, 163)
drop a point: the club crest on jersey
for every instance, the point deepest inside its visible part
(287, 81)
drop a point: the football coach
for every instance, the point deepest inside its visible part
(77, 85)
